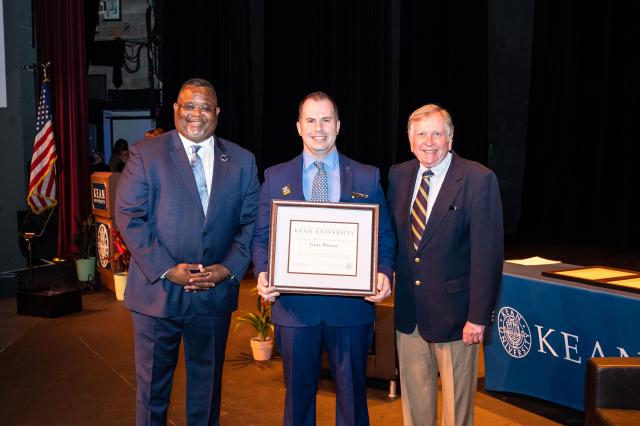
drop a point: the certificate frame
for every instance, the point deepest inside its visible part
(609, 277)
(323, 248)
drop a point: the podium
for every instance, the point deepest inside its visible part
(103, 195)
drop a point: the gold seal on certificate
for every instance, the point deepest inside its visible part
(323, 248)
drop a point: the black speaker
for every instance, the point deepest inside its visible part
(97, 87)
(49, 303)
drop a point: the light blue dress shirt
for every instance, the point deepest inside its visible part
(331, 167)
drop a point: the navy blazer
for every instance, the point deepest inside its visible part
(297, 310)
(459, 260)
(159, 214)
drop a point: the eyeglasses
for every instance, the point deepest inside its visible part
(192, 107)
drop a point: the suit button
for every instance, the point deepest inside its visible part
(418, 282)
(417, 260)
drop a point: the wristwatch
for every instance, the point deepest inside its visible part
(229, 277)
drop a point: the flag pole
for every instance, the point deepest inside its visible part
(42, 177)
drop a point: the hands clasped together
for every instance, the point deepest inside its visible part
(197, 277)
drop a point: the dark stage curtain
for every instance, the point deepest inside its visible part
(581, 175)
(280, 51)
(210, 39)
(342, 48)
(443, 60)
(61, 40)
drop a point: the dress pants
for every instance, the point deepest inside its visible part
(157, 345)
(347, 350)
(420, 362)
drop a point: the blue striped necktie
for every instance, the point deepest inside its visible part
(201, 180)
(419, 209)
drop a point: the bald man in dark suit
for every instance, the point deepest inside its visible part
(186, 207)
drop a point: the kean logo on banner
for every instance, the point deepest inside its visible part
(514, 332)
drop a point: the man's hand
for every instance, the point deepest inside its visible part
(472, 333)
(384, 289)
(267, 293)
(184, 274)
(208, 277)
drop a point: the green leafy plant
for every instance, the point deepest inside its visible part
(85, 238)
(260, 321)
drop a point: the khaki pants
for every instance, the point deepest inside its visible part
(420, 361)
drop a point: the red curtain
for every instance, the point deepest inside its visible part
(61, 40)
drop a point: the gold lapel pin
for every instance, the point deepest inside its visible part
(286, 190)
(359, 195)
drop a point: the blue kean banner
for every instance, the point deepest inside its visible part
(545, 330)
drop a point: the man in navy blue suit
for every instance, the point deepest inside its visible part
(448, 218)
(307, 323)
(186, 206)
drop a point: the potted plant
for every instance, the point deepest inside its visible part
(260, 321)
(121, 258)
(85, 241)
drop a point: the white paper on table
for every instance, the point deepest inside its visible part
(533, 261)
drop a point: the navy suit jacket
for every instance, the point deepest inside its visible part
(160, 217)
(297, 310)
(459, 260)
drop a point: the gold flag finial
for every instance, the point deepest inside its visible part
(44, 70)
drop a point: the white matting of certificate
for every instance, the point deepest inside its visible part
(323, 248)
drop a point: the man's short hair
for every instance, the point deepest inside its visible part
(319, 96)
(199, 82)
(427, 110)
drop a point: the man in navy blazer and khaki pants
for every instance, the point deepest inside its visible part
(448, 269)
(186, 208)
(307, 323)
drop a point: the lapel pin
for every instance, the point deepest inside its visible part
(359, 195)
(286, 190)
(224, 157)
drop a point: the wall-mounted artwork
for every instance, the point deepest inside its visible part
(111, 10)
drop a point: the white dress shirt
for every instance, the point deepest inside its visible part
(206, 154)
(331, 168)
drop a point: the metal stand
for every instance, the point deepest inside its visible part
(28, 236)
(393, 391)
(42, 301)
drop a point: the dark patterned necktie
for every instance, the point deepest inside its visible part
(419, 209)
(320, 187)
(201, 180)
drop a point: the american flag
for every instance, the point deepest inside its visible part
(42, 181)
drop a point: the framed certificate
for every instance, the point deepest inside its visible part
(601, 276)
(323, 248)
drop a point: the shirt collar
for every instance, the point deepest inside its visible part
(331, 160)
(441, 168)
(206, 145)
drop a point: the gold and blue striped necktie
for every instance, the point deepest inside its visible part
(419, 209)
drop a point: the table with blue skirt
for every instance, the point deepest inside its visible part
(545, 330)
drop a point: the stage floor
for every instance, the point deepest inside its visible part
(79, 369)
